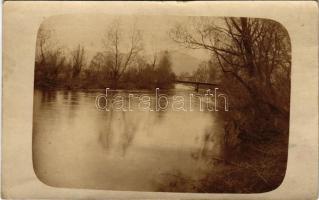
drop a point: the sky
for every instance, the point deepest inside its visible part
(89, 30)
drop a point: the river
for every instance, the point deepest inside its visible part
(75, 145)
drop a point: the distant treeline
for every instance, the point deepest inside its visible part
(117, 67)
(206, 72)
(56, 72)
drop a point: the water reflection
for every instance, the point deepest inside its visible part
(211, 142)
(76, 145)
(48, 96)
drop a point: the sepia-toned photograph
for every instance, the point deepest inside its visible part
(163, 100)
(161, 103)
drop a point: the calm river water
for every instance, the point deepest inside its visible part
(76, 145)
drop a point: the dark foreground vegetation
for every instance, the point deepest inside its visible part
(254, 56)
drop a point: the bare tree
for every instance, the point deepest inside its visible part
(202, 73)
(164, 73)
(121, 58)
(50, 59)
(154, 55)
(78, 61)
(42, 44)
(251, 51)
(98, 62)
(154, 60)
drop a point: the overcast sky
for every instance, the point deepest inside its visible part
(90, 29)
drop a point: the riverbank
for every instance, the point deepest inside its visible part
(254, 166)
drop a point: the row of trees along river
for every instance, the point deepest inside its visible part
(114, 67)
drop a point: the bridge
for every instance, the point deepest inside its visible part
(197, 84)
